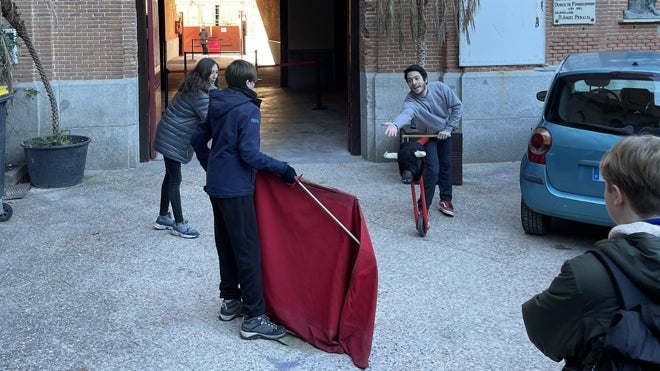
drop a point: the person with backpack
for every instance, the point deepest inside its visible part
(568, 321)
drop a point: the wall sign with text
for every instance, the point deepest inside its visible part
(574, 12)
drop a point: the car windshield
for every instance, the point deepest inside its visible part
(618, 102)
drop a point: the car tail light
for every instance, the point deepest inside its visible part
(539, 144)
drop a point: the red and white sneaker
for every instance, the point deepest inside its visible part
(446, 208)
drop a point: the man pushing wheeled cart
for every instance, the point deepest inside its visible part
(434, 109)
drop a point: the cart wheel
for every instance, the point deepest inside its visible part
(7, 212)
(420, 226)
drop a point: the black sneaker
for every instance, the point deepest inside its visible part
(261, 327)
(230, 309)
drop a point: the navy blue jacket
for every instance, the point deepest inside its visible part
(234, 158)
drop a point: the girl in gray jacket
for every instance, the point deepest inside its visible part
(187, 109)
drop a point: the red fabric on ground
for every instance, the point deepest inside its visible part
(318, 282)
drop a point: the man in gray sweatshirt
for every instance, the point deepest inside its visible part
(435, 109)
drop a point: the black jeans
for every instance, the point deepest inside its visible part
(437, 170)
(239, 252)
(169, 191)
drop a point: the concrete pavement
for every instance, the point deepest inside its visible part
(86, 283)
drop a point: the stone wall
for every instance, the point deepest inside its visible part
(104, 110)
(89, 51)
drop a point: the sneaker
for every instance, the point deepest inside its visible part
(261, 327)
(230, 309)
(446, 208)
(164, 222)
(184, 230)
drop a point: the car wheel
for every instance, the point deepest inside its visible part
(533, 222)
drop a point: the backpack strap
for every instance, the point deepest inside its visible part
(629, 294)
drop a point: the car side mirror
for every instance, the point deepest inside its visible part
(541, 95)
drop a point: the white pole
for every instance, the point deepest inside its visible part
(327, 211)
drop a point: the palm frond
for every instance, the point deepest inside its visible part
(440, 20)
(462, 12)
(466, 16)
(385, 14)
(400, 24)
(417, 19)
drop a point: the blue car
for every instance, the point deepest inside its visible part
(594, 100)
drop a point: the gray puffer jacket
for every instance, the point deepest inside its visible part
(178, 124)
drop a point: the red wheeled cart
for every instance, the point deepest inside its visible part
(421, 216)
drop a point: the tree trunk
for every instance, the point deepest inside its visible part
(12, 16)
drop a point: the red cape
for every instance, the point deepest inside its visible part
(318, 282)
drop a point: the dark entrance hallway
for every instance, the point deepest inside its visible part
(286, 85)
(291, 130)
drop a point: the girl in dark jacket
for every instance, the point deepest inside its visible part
(187, 109)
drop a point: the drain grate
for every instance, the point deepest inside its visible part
(16, 191)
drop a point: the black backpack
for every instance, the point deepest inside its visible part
(632, 342)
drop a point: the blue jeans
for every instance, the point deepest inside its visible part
(437, 170)
(169, 191)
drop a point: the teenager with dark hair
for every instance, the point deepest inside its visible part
(231, 166)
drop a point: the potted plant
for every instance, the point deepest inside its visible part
(57, 159)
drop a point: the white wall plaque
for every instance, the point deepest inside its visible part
(574, 12)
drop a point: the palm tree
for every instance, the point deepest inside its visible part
(12, 16)
(441, 10)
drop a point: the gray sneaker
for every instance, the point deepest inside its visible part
(230, 309)
(164, 222)
(261, 327)
(184, 230)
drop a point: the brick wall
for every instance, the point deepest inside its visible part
(380, 53)
(79, 40)
(608, 33)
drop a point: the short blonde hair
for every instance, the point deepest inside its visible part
(633, 164)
